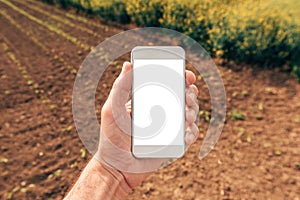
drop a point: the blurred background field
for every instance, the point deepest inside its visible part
(255, 46)
(266, 33)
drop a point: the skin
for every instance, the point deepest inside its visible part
(100, 180)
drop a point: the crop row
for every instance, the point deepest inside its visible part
(32, 84)
(48, 26)
(28, 34)
(31, 36)
(71, 16)
(59, 19)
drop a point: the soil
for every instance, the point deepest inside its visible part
(42, 155)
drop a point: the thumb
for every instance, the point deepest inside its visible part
(114, 107)
(121, 88)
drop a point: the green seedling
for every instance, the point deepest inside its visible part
(266, 145)
(3, 160)
(83, 153)
(271, 90)
(45, 101)
(258, 117)
(10, 194)
(12, 56)
(29, 82)
(235, 115)
(234, 94)
(248, 138)
(67, 152)
(5, 47)
(24, 190)
(52, 106)
(260, 106)
(35, 86)
(277, 152)
(245, 93)
(241, 131)
(57, 172)
(74, 165)
(72, 70)
(23, 183)
(118, 66)
(69, 128)
(297, 120)
(6, 92)
(205, 114)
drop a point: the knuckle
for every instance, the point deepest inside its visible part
(194, 89)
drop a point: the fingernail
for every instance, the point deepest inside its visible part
(123, 67)
(187, 82)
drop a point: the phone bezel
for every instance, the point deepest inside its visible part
(159, 151)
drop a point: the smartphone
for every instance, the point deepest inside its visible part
(158, 101)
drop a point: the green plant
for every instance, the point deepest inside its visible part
(298, 166)
(114, 10)
(235, 115)
(255, 32)
(145, 12)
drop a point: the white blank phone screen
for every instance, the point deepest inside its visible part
(156, 94)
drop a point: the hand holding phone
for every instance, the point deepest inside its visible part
(115, 140)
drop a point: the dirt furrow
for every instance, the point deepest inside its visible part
(55, 87)
(91, 22)
(50, 27)
(81, 38)
(60, 21)
(24, 119)
(14, 89)
(50, 39)
(23, 125)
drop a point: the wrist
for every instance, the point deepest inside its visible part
(99, 182)
(116, 183)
